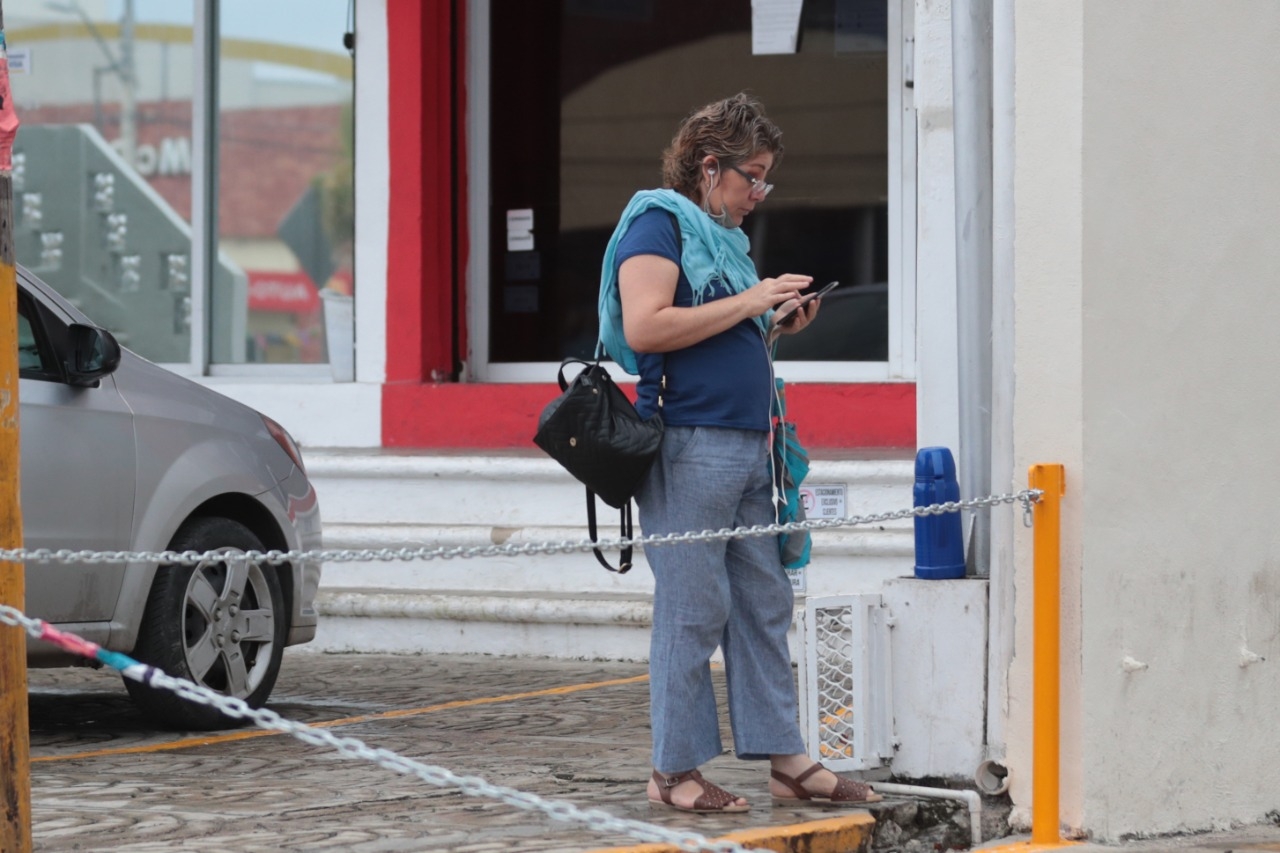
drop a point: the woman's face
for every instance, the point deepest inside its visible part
(730, 187)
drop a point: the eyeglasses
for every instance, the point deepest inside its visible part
(758, 187)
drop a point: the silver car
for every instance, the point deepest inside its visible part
(119, 454)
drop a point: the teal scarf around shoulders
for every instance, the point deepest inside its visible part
(710, 252)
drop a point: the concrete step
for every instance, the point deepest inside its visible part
(562, 605)
(518, 490)
(542, 624)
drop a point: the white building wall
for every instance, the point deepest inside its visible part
(1048, 396)
(1006, 527)
(373, 182)
(1145, 362)
(939, 628)
(1180, 403)
(937, 396)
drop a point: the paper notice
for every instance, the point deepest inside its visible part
(797, 578)
(775, 26)
(823, 501)
(520, 230)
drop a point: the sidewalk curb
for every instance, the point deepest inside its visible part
(849, 833)
(1024, 845)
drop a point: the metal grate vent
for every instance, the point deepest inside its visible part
(845, 700)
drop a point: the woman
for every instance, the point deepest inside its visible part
(685, 310)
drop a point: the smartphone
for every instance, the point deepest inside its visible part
(805, 300)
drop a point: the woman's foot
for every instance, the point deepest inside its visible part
(690, 792)
(799, 779)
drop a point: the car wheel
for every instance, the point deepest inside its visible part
(221, 624)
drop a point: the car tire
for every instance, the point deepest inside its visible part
(220, 624)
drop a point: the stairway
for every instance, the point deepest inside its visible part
(555, 605)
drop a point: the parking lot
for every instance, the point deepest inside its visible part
(570, 731)
(102, 779)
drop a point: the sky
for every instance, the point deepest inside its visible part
(309, 23)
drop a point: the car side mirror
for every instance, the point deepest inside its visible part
(95, 353)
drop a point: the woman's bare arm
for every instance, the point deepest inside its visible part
(651, 323)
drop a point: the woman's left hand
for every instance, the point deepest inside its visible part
(802, 318)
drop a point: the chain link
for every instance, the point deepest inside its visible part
(1026, 497)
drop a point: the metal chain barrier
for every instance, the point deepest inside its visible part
(595, 819)
(361, 555)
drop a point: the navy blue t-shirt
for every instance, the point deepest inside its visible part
(723, 381)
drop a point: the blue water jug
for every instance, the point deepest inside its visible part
(939, 538)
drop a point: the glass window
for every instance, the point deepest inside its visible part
(285, 195)
(102, 162)
(103, 172)
(571, 140)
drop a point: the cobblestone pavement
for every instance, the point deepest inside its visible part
(102, 779)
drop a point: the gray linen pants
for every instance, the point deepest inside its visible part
(732, 594)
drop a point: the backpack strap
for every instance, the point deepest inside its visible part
(624, 558)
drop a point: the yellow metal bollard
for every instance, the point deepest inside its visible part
(1046, 660)
(15, 758)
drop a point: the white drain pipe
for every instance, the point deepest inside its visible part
(970, 798)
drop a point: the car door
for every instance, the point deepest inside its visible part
(77, 470)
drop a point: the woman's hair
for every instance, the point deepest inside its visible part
(732, 131)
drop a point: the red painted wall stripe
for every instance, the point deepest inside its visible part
(404, 215)
(420, 267)
(461, 231)
(506, 416)
(862, 415)
(437, 154)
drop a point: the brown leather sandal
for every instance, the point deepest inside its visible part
(712, 800)
(847, 792)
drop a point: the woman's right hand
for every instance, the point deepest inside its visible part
(770, 293)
